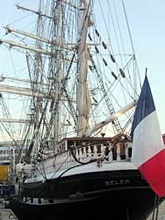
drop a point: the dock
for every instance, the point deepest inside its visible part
(160, 215)
(7, 214)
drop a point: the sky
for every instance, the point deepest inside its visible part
(147, 25)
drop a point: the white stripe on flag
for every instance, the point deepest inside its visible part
(147, 141)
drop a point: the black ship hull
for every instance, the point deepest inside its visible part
(121, 195)
(116, 208)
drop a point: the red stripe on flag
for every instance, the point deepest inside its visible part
(153, 171)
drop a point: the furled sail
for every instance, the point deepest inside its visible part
(83, 96)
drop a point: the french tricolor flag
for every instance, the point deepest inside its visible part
(148, 153)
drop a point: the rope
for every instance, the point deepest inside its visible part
(156, 208)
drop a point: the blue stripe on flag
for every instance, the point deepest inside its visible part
(145, 105)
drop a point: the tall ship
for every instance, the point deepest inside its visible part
(69, 97)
